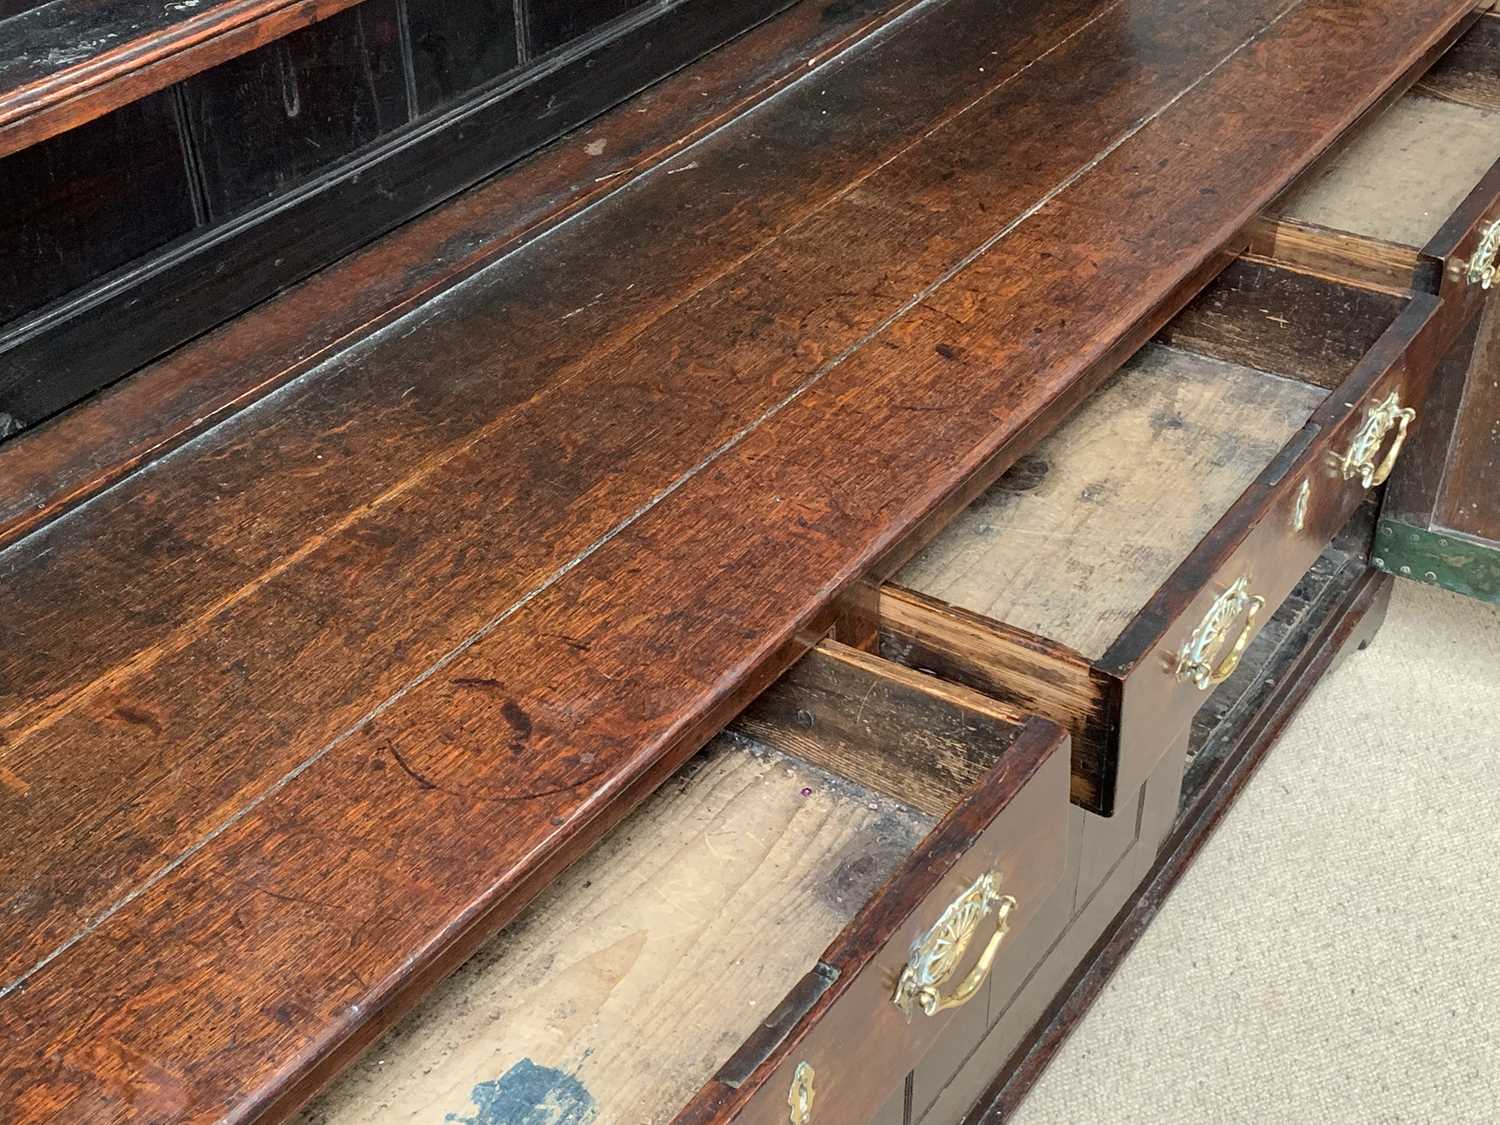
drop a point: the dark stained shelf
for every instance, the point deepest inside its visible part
(70, 61)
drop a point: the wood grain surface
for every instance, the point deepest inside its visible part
(902, 733)
(1014, 827)
(1468, 74)
(527, 546)
(1290, 321)
(1469, 496)
(1036, 675)
(302, 152)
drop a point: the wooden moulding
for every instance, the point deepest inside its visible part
(140, 48)
(1027, 672)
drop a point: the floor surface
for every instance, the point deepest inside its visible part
(1333, 955)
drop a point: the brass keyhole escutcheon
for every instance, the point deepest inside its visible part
(1361, 458)
(799, 1098)
(935, 955)
(1199, 662)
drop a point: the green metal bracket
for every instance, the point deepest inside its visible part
(1454, 562)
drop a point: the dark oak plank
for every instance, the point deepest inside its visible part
(542, 670)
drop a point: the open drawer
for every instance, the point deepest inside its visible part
(910, 823)
(1114, 575)
(1413, 199)
(1405, 201)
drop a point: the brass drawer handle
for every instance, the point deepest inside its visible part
(935, 956)
(1197, 660)
(1481, 269)
(1360, 459)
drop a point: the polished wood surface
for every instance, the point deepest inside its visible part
(502, 558)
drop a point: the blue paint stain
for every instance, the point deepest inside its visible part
(528, 1094)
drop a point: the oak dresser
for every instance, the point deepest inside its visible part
(575, 561)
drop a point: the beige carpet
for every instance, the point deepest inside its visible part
(1334, 953)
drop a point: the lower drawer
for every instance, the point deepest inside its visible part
(793, 918)
(1115, 575)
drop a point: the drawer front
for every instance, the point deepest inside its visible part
(840, 1043)
(1467, 249)
(1187, 639)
